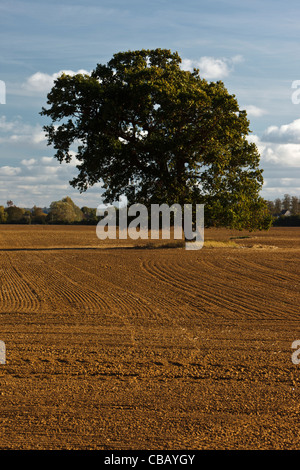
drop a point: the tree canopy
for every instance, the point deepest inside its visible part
(156, 133)
(64, 212)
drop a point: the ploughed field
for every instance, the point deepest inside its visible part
(111, 346)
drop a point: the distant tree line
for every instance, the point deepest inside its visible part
(59, 212)
(63, 212)
(285, 211)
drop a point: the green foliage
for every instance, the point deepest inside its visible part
(158, 134)
(292, 221)
(38, 216)
(3, 215)
(64, 212)
(15, 215)
(89, 215)
(277, 209)
(285, 212)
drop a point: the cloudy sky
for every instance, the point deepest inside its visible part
(253, 47)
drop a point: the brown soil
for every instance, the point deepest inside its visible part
(160, 348)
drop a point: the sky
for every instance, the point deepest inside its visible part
(253, 47)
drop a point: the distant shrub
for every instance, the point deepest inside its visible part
(291, 221)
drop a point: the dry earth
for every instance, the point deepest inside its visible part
(153, 348)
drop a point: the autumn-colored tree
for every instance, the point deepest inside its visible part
(38, 216)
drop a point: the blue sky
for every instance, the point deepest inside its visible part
(253, 47)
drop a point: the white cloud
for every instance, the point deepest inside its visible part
(282, 154)
(29, 162)
(32, 135)
(255, 111)
(6, 126)
(51, 170)
(279, 160)
(211, 68)
(9, 171)
(17, 132)
(41, 82)
(41, 180)
(287, 133)
(47, 160)
(237, 59)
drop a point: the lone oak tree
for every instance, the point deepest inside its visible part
(158, 134)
